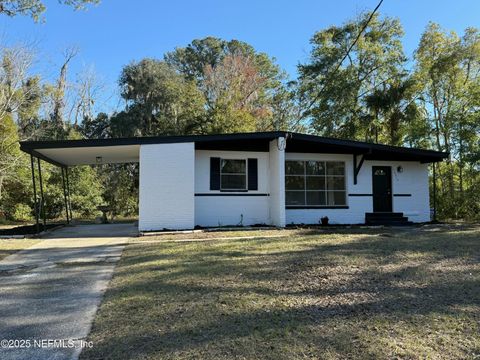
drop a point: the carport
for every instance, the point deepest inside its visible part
(68, 153)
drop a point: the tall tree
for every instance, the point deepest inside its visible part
(392, 109)
(15, 65)
(60, 90)
(448, 67)
(159, 100)
(17, 99)
(335, 101)
(10, 152)
(87, 88)
(241, 85)
(234, 89)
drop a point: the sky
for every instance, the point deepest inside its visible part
(116, 32)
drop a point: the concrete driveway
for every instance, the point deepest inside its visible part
(50, 292)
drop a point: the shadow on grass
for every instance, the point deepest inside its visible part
(293, 298)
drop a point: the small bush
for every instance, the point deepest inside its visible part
(22, 212)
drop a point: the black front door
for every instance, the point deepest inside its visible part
(382, 188)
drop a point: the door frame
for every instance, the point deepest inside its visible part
(390, 194)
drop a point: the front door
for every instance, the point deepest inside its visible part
(382, 188)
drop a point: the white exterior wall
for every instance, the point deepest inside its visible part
(216, 208)
(413, 180)
(277, 181)
(175, 190)
(166, 199)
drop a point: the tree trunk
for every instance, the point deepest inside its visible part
(59, 100)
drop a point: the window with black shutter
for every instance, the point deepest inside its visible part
(233, 174)
(214, 173)
(252, 174)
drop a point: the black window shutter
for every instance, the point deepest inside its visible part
(214, 173)
(252, 174)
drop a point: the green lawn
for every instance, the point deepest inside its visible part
(10, 246)
(407, 294)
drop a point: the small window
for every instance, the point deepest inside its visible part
(233, 174)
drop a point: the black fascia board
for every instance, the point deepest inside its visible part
(372, 151)
(52, 144)
(370, 148)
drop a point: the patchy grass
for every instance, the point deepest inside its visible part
(408, 294)
(10, 246)
(215, 235)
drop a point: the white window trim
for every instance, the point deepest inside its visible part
(246, 175)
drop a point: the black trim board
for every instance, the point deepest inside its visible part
(54, 144)
(366, 148)
(398, 195)
(258, 141)
(232, 194)
(314, 207)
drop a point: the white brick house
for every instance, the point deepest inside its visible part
(271, 178)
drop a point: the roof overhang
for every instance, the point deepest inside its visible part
(127, 150)
(70, 156)
(317, 144)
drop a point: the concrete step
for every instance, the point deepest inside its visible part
(386, 218)
(389, 222)
(383, 214)
(392, 218)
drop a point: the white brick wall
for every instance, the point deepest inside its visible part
(202, 168)
(231, 210)
(171, 174)
(167, 182)
(413, 180)
(227, 210)
(277, 181)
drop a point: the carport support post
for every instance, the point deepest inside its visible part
(42, 199)
(68, 192)
(434, 185)
(32, 163)
(65, 195)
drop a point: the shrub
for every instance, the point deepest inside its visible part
(22, 212)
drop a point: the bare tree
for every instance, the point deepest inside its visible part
(14, 69)
(85, 91)
(15, 65)
(60, 89)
